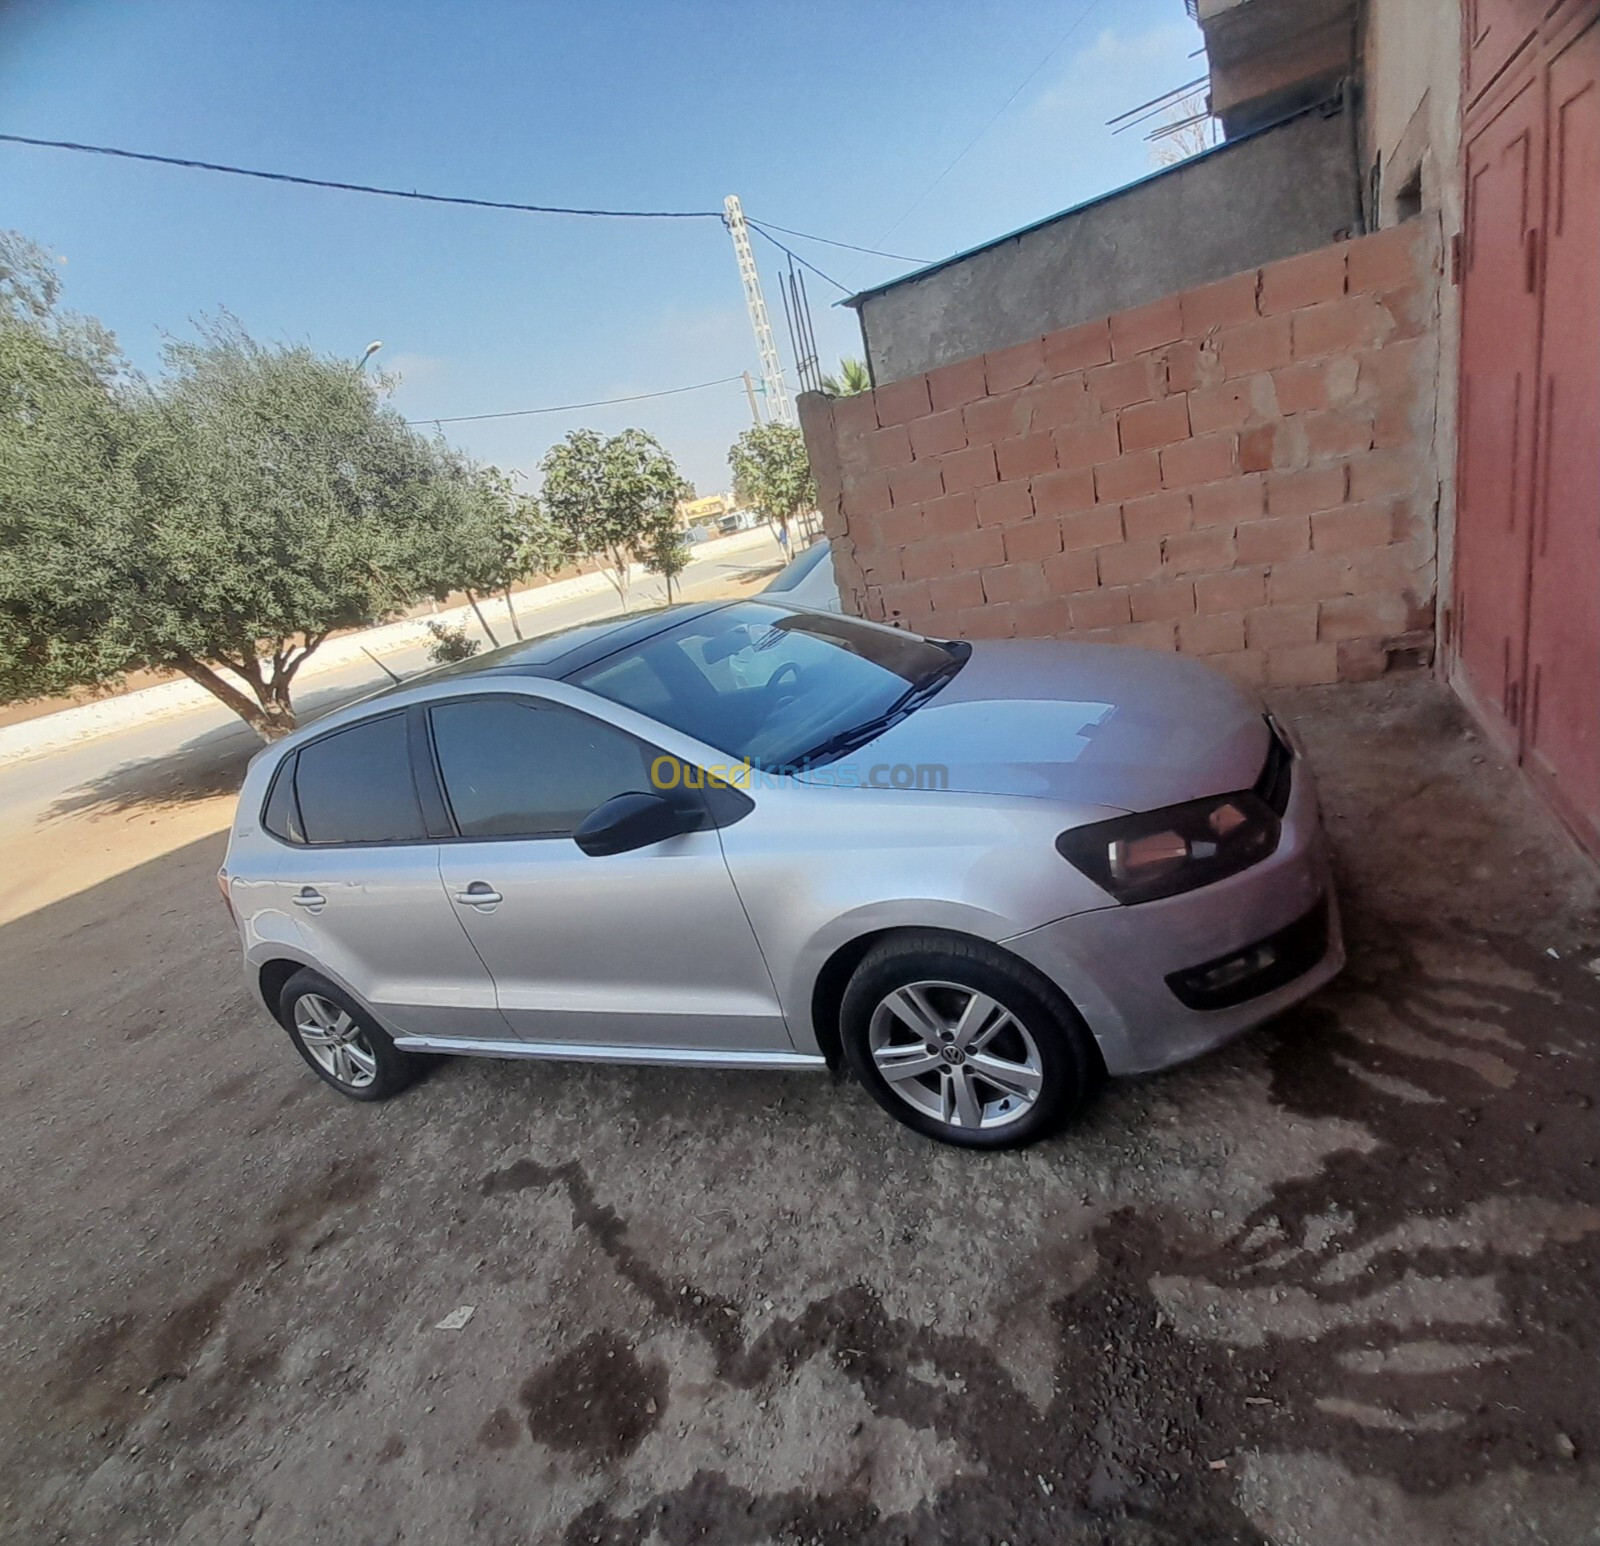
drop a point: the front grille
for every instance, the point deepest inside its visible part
(1276, 773)
(1259, 968)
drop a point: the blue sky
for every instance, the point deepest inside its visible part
(825, 116)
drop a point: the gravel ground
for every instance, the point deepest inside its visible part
(1337, 1284)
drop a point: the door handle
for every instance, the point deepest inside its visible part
(310, 897)
(479, 894)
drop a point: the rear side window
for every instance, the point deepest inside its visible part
(514, 769)
(281, 816)
(355, 786)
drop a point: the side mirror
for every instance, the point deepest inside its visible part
(629, 821)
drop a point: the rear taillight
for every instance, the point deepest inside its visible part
(224, 883)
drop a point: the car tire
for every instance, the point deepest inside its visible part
(341, 1042)
(964, 1043)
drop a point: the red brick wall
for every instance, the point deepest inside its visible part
(1243, 471)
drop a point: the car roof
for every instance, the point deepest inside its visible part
(789, 577)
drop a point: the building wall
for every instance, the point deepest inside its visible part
(1240, 471)
(1283, 191)
(1411, 75)
(1411, 157)
(1268, 56)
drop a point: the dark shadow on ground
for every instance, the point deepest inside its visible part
(756, 578)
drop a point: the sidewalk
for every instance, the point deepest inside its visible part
(50, 732)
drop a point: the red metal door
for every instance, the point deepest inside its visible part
(1499, 366)
(1496, 30)
(1562, 744)
(1527, 567)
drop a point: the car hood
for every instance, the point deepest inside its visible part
(1091, 723)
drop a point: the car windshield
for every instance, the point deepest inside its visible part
(771, 684)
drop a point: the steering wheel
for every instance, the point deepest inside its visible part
(787, 676)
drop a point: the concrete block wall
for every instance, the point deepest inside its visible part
(1242, 471)
(1281, 191)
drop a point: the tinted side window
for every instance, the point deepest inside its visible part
(514, 769)
(355, 786)
(281, 817)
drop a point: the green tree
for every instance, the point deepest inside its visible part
(30, 292)
(853, 377)
(451, 643)
(30, 287)
(666, 548)
(223, 522)
(607, 495)
(771, 473)
(70, 440)
(489, 552)
(543, 546)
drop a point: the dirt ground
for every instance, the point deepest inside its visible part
(1337, 1284)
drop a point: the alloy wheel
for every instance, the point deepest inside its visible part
(956, 1055)
(335, 1041)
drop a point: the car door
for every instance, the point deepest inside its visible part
(644, 949)
(358, 877)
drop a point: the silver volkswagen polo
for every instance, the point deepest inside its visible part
(751, 835)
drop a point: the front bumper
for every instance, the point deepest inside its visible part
(1114, 963)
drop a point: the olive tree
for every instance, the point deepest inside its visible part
(71, 433)
(223, 521)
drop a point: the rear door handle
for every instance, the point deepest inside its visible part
(479, 894)
(309, 897)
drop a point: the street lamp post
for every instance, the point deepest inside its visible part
(367, 354)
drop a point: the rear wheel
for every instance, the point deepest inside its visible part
(963, 1042)
(341, 1042)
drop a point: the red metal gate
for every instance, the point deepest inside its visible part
(1527, 569)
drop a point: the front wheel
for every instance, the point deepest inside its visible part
(342, 1043)
(963, 1043)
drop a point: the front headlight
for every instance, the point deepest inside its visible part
(1153, 854)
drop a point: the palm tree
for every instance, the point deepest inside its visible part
(853, 377)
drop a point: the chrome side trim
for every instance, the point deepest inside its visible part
(578, 1052)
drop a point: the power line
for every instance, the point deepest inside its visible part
(803, 262)
(917, 203)
(192, 164)
(344, 187)
(603, 402)
(828, 241)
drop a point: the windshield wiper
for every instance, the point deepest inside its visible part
(912, 698)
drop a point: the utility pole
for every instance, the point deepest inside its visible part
(750, 392)
(778, 410)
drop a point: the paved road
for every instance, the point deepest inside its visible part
(1335, 1285)
(199, 750)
